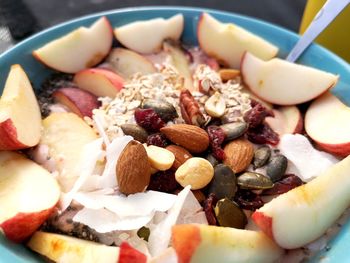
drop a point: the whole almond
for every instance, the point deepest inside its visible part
(133, 169)
(190, 137)
(181, 155)
(238, 154)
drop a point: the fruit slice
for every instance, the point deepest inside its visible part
(126, 63)
(180, 61)
(203, 243)
(281, 82)
(227, 42)
(287, 120)
(79, 49)
(66, 135)
(79, 101)
(254, 97)
(20, 119)
(305, 213)
(100, 82)
(147, 36)
(28, 194)
(326, 123)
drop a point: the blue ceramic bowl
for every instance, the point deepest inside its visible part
(315, 56)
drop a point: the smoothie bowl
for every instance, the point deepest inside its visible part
(171, 135)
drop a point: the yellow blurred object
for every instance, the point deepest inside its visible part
(336, 36)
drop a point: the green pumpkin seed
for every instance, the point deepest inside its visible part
(211, 159)
(224, 183)
(277, 167)
(164, 109)
(254, 181)
(261, 156)
(136, 131)
(229, 214)
(234, 130)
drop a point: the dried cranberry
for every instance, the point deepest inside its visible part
(157, 139)
(148, 119)
(263, 134)
(208, 207)
(288, 182)
(216, 139)
(163, 181)
(257, 114)
(248, 200)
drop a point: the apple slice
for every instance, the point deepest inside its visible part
(180, 61)
(228, 42)
(284, 83)
(303, 214)
(287, 120)
(20, 118)
(100, 82)
(66, 134)
(28, 195)
(79, 101)
(147, 36)
(254, 97)
(126, 63)
(203, 243)
(326, 123)
(79, 49)
(61, 248)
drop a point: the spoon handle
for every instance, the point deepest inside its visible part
(324, 17)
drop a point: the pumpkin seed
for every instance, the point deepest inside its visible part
(224, 183)
(211, 159)
(144, 233)
(276, 167)
(229, 214)
(234, 130)
(136, 131)
(164, 109)
(261, 156)
(254, 181)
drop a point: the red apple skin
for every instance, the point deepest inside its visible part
(300, 126)
(79, 101)
(115, 79)
(264, 223)
(23, 225)
(192, 235)
(129, 254)
(341, 150)
(8, 137)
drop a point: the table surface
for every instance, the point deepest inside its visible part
(25, 17)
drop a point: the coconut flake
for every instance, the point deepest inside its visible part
(99, 126)
(139, 204)
(113, 151)
(160, 235)
(191, 212)
(167, 256)
(104, 221)
(306, 160)
(92, 152)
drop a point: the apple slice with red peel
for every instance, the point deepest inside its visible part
(254, 97)
(227, 42)
(286, 120)
(28, 195)
(284, 83)
(79, 101)
(326, 123)
(127, 62)
(20, 118)
(100, 82)
(79, 49)
(303, 214)
(180, 61)
(147, 36)
(203, 243)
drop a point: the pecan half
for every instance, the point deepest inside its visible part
(190, 109)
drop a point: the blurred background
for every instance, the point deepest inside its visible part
(21, 18)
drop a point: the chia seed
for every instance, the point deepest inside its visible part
(52, 83)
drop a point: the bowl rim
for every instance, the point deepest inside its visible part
(332, 254)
